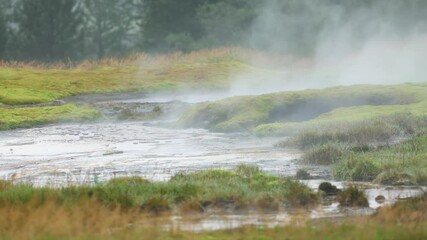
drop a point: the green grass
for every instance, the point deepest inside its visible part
(92, 212)
(244, 187)
(288, 112)
(26, 117)
(27, 84)
(403, 163)
(360, 134)
(339, 116)
(369, 150)
(324, 154)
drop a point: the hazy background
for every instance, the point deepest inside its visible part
(325, 42)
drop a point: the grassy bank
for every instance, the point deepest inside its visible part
(241, 188)
(33, 83)
(11, 118)
(288, 112)
(388, 150)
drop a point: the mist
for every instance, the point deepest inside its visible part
(332, 43)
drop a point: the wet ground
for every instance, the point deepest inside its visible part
(60, 155)
(85, 153)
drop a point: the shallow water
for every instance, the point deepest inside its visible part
(68, 154)
(86, 153)
(328, 209)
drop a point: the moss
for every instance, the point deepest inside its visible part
(29, 116)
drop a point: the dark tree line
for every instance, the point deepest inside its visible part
(61, 30)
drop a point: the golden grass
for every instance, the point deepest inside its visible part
(89, 220)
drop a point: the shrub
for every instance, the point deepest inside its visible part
(155, 205)
(352, 197)
(324, 154)
(247, 171)
(356, 168)
(302, 174)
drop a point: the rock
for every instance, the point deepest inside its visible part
(58, 103)
(380, 199)
(157, 109)
(328, 188)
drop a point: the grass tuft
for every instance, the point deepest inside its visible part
(324, 154)
(352, 197)
(244, 186)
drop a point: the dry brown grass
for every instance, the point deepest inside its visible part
(143, 59)
(61, 221)
(89, 220)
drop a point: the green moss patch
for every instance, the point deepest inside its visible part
(26, 117)
(288, 112)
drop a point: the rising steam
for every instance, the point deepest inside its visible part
(341, 43)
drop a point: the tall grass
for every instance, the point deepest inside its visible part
(244, 187)
(89, 220)
(209, 55)
(404, 163)
(370, 150)
(374, 131)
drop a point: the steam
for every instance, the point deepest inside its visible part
(381, 42)
(328, 43)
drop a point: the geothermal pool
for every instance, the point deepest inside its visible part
(59, 155)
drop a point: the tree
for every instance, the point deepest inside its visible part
(3, 33)
(112, 26)
(48, 29)
(167, 22)
(226, 22)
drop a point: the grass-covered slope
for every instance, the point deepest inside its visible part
(26, 117)
(28, 84)
(281, 113)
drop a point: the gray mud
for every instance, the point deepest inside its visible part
(60, 155)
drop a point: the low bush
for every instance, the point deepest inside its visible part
(354, 168)
(352, 197)
(324, 154)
